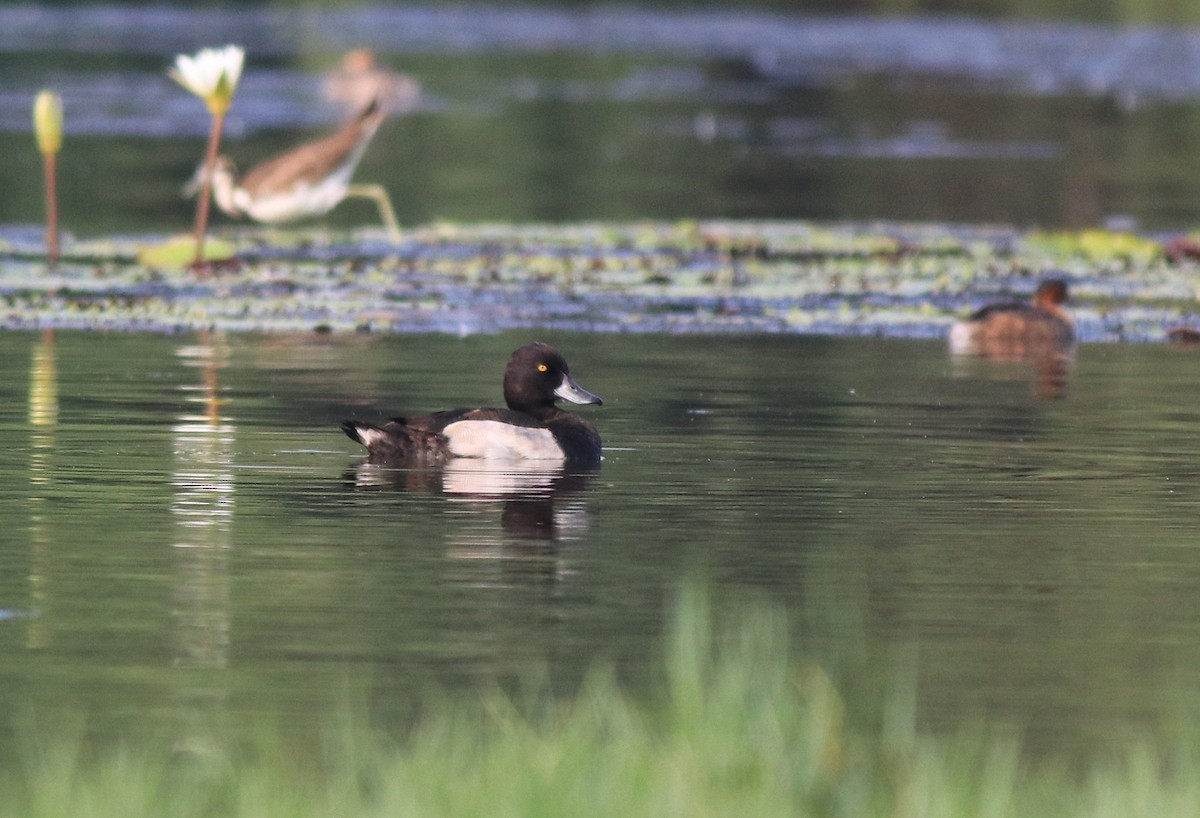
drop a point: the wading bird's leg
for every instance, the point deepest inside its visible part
(380, 196)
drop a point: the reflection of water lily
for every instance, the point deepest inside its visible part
(48, 128)
(212, 74)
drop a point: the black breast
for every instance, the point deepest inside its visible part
(579, 439)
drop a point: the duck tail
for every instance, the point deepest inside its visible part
(376, 438)
(394, 442)
(359, 432)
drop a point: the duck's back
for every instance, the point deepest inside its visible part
(497, 434)
(397, 441)
(1003, 327)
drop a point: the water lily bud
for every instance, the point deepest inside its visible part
(48, 122)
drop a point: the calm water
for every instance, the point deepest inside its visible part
(619, 112)
(189, 540)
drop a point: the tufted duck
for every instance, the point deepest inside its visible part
(531, 428)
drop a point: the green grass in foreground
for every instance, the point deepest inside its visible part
(742, 728)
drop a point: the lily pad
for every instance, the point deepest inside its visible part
(178, 252)
(878, 278)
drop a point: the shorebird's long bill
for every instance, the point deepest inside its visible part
(570, 391)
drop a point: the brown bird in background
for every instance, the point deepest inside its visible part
(308, 180)
(1011, 331)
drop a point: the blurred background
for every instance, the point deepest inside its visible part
(1054, 113)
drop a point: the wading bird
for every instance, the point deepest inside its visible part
(359, 78)
(308, 180)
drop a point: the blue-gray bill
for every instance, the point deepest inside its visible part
(568, 390)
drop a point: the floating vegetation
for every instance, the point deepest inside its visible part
(178, 252)
(1100, 246)
(884, 279)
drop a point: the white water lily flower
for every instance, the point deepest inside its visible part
(212, 74)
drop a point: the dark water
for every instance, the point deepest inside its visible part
(189, 540)
(538, 113)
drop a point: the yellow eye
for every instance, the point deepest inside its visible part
(543, 368)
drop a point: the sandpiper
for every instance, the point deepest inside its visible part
(308, 180)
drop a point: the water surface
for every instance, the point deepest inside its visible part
(619, 112)
(192, 542)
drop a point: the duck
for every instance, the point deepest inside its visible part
(531, 428)
(308, 180)
(1184, 336)
(1016, 330)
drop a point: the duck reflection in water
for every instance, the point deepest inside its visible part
(532, 545)
(1039, 331)
(540, 502)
